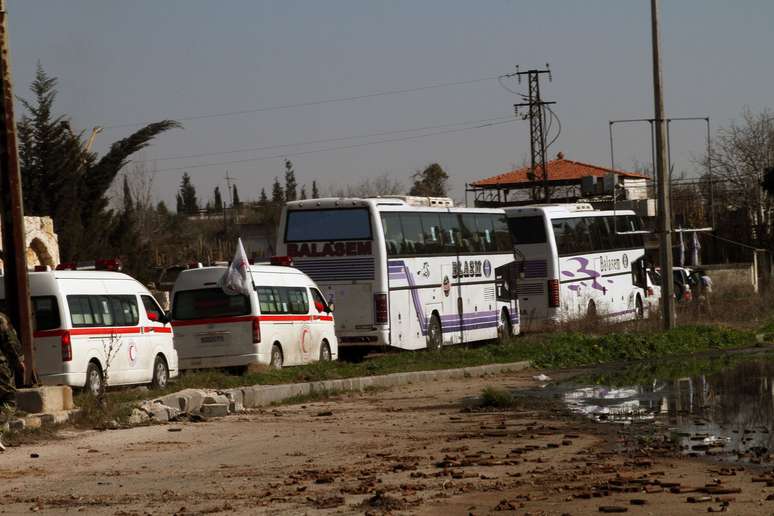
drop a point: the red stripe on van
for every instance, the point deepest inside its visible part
(102, 330)
(217, 320)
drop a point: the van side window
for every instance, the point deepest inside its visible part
(319, 301)
(283, 300)
(152, 307)
(110, 310)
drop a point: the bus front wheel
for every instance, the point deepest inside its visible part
(434, 333)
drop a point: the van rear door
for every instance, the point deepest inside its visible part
(210, 323)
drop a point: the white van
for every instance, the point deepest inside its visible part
(96, 326)
(284, 321)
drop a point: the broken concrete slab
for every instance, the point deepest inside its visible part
(214, 409)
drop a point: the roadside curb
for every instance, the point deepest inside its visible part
(226, 401)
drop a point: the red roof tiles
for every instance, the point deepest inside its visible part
(559, 169)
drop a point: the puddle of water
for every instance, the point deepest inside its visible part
(719, 406)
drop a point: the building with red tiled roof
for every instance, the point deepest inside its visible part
(568, 181)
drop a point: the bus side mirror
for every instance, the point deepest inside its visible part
(330, 308)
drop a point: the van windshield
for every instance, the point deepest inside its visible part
(208, 303)
(328, 225)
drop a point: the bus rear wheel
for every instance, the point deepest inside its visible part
(591, 311)
(504, 328)
(639, 310)
(434, 333)
(325, 352)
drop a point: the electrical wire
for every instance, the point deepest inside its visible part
(312, 102)
(342, 147)
(324, 140)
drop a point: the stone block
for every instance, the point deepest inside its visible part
(50, 398)
(248, 397)
(193, 399)
(214, 409)
(212, 398)
(235, 400)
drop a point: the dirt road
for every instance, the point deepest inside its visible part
(411, 450)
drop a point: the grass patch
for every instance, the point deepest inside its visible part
(555, 350)
(496, 397)
(114, 410)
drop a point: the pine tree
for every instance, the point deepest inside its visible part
(290, 182)
(65, 181)
(161, 208)
(128, 202)
(187, 196)
(277, 194)
(315, 191)
(263, 199)
(302, 195)
(236, 202)
(217, 203)
(180, 206)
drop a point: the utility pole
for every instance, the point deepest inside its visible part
(230, 187)
(12, 213)
(662, 174)
(535, 113)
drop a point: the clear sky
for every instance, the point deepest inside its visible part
(122, 62)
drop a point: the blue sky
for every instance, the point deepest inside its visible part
(121, 62)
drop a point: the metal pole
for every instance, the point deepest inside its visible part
(12, 213)
(665, 219)
(709, 174)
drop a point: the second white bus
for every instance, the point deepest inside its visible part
(576, 262)
(404, 275)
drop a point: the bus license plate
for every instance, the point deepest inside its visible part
(211, 339)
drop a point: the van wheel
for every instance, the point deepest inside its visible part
(325, 352)
(434, 333)
(160, 373)
(639, 310)
(504, 328)
(276, 357)
(94, 379)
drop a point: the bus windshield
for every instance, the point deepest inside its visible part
(328, 225)
(207, 303)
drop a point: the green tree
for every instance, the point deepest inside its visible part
(277, 193)
(187, 202)
(315, 191)
(302, 195)
(290, 182)
(63, 179)
(263, 200)
(217, 203)
(430, 182)
(235, 200)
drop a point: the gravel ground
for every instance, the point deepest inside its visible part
(419, 449)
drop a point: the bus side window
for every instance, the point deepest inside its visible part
(413, 238)
(431, 225)
(451, 232)
(502, 234)
(486, 231)
(393, 234)
(600, 234)
(471, 238)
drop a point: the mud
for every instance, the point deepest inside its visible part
(419, 449)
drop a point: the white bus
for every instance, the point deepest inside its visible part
(403, 275)
(575, 262)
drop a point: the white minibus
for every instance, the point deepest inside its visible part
(284, 321)
(94, 326)
(575, 261)
(409, 273)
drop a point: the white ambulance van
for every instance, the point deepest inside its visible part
(92, 326)
(284, 321)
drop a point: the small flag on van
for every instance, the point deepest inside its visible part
(237, 278)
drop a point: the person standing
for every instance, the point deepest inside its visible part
(11, 363)
(706, 287)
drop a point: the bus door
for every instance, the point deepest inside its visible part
(451, 242)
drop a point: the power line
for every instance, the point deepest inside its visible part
(324, 140)
(341, 147)
(313, 102)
